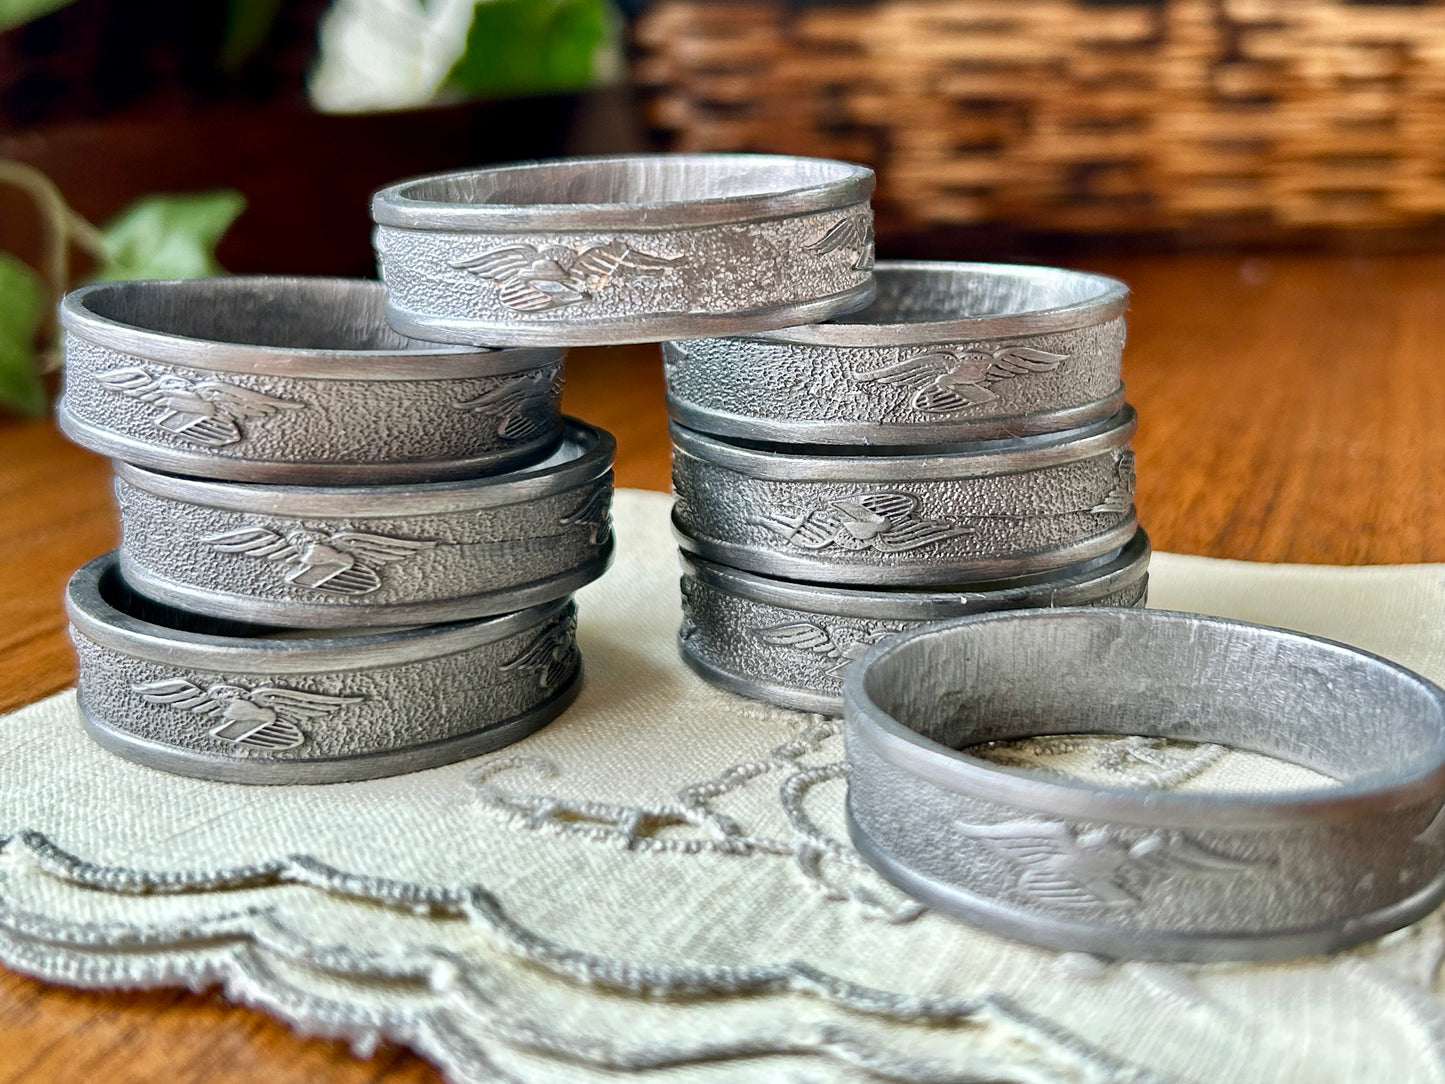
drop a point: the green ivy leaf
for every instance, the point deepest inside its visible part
(529, 46)
(168, 237)
(15, 12)
(248, 25)
(22, 304)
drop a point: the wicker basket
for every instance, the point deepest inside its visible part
(1273, 118)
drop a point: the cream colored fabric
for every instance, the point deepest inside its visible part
(660, 882)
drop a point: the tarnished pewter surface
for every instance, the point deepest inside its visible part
(791, 643)
(631, 248)
(947, 352)
(969, 513)
(1147, 873)
(269, 379)
(383, 555)
(247, 705)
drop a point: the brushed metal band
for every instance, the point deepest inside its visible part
(960, 514)
(947, 352)
(245, 707)
(268, 379)
(792, 643)
(326, 557)
(1147, 873)
(627, 248)
(655, 192)
(924, 301)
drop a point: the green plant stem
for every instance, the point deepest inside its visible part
(60, 227)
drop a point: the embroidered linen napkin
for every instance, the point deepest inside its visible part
(659, 884)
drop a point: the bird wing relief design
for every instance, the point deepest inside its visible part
(841, 647)
(594, 514)
(853, 234)
(266, 717)
(540, 278)
(688, 589)
(521, 405)
(1120, 497)
(885, 522)
(340, 563)
(951, 381)
(1093, 868)
(550, 656)
(207, 413)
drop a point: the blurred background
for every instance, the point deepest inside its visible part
(169, 137)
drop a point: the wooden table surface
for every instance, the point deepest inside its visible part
(1291, 409)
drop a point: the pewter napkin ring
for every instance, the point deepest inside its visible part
(267, 379)
(792, 643)
(947, 352)
(1149, 873)
(626, 248)
(319, 557)
(939, 516)
(246, 705)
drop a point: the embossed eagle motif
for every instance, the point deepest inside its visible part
(344, 563)
(1094, 868)
(688, 589)
(522, 405)
(537, 279)
(855, 233)
(886, 522)
(551, 656)
(1120, 498)
(842, 646)
(594, 513)
(948, 381)
(267, 717)
(204, 412)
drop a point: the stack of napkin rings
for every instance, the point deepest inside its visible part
(296, 480)
(352, 516)
(960, 445)
(349, 550)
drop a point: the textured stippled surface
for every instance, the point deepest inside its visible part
(261, 566)
(1207, 876)
(895, 394)
(380, 709)
(791, 656)
(401, 430)
(1258, 882)
(890, 531)
(704, 270)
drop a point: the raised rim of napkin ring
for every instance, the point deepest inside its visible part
(335, 557)
(625, 248)
(300, 380)
(227, 701)
(623, 191)
(1020, 299)
(1149, 873)
(790, 643)
(181, 321)
(924, 463)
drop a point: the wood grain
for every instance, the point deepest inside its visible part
(1290, 411)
